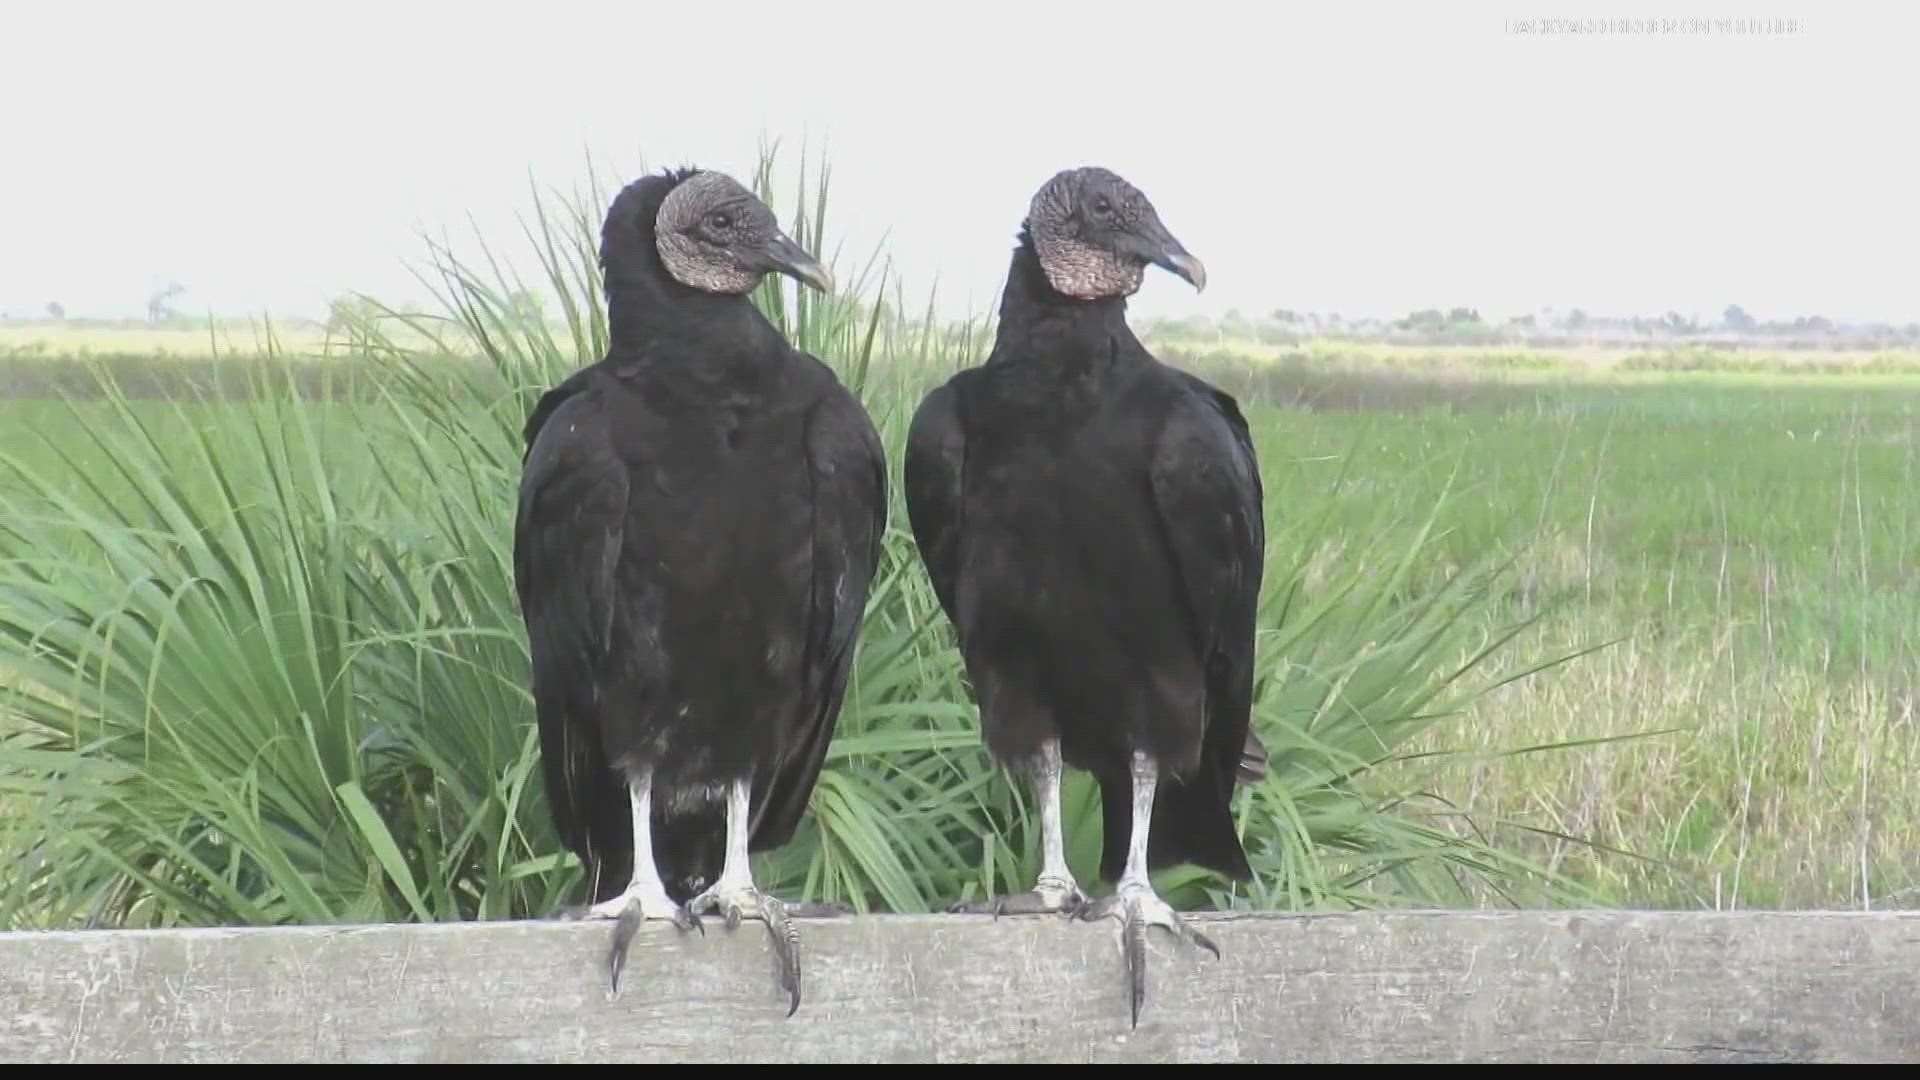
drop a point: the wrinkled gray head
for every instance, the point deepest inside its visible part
(1095, 234)
(713, 234)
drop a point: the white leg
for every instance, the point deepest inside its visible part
(736, 873)
(1146, 777)
(645, 889)
(737, 898)
(1134, 903)
(1056, 888)
(645, 896)
(1056, 891)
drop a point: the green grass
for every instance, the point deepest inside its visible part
(1755, 548)
(260, 662)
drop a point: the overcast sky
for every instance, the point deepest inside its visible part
(1358, 158)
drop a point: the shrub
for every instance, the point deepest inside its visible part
(263, 661)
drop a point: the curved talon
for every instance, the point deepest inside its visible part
(627, 925)
(1136, 934)
(1137, 908)
(738, 903)
(1095, 910)
(1202, 940)
(786, 946)
(628, 911)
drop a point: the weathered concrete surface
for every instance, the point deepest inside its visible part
(1564, 986)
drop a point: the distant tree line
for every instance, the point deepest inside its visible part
(1464, 326)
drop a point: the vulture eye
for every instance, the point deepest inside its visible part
(1101, 207)
(720, 220)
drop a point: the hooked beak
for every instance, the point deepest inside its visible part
(786, 257)
(1177, 260)
(1164, 251)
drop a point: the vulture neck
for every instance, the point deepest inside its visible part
(1039, 323)
(656, 323)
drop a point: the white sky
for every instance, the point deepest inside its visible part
(1360, 158)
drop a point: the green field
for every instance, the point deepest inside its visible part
(1751, 545)
(300, 688)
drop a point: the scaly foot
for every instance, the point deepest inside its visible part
(743, 901)
(628, 910)
(1049, 896)
(1135, 906)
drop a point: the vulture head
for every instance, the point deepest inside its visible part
(710, 233)
(1095, 234)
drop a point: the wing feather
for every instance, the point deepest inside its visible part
(1207, 487)
(933, 469)
(568, 535)
(849, 487)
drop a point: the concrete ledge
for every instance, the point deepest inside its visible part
(1534, 986)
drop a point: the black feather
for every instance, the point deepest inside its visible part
(699, 521)
(1091, 521)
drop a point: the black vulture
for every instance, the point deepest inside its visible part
(700, 516)
(1090, 519)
